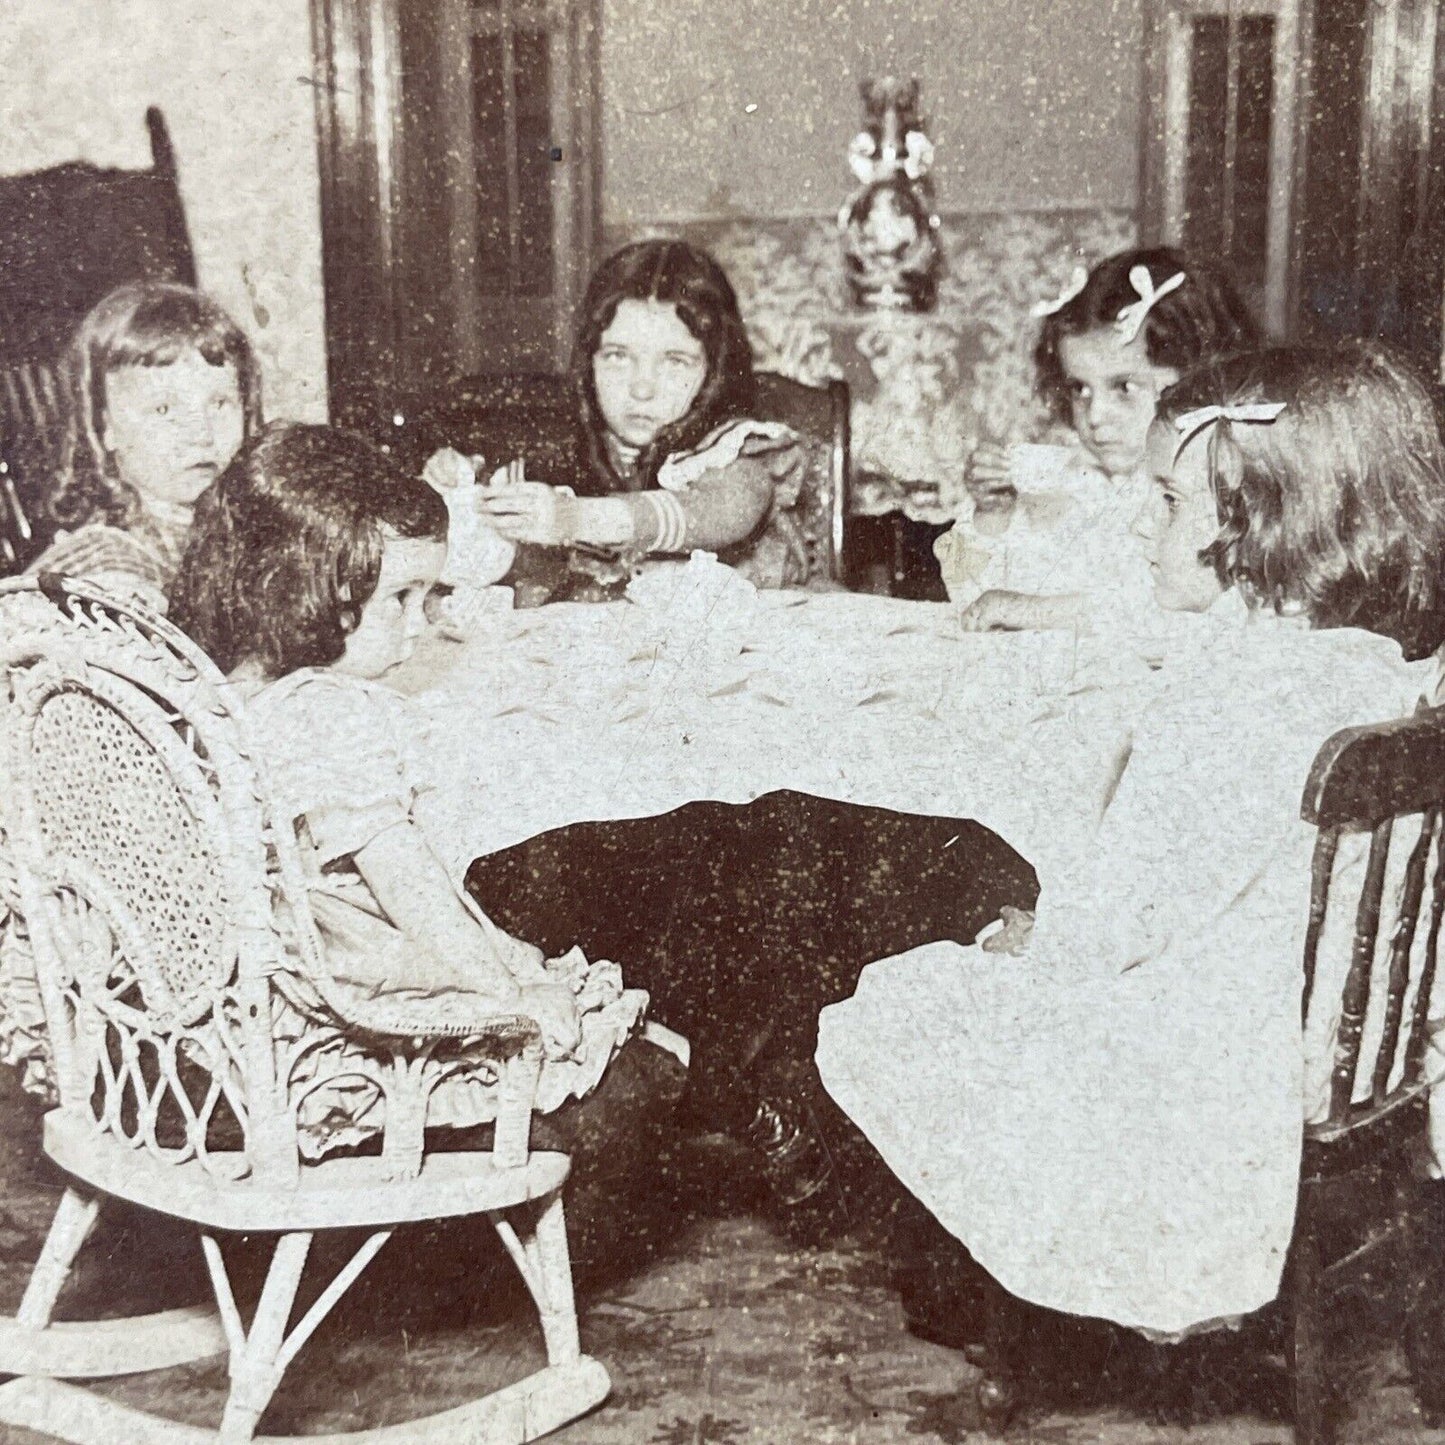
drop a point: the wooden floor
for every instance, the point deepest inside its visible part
(720, 1331)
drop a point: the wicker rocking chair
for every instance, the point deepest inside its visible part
(191, 1026)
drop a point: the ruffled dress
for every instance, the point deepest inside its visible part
(788, 547)
(335, 751)
(138, 564)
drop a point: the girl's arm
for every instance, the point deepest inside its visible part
(999, 611)
(725, 506)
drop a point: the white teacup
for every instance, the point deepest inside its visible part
(1038, 468)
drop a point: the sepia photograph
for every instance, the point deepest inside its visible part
(722, 722)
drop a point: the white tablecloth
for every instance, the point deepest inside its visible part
(575, 713)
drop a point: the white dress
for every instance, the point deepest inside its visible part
(337, 752)
(1069, 532)
(1112, 1122)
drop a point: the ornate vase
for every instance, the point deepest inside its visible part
(891, 254)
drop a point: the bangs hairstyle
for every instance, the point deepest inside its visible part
(675, 274)
(1204, 317)
(1336, 509)
(286, 546)
(148, 323)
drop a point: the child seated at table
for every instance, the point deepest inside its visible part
(305, 579)
(1045, 542)
(161, 389)
(676, 462)
(1111, 1121)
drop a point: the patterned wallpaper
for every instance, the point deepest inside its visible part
(925, 387)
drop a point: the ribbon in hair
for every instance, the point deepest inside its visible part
(1193, 422)
(1131, 317)
(1077, 282)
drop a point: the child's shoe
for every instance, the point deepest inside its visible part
(795, 1163)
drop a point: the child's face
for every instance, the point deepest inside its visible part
(1113, 390)
(172, 429)
(392, 618)
(648, 369)
(1179, 521)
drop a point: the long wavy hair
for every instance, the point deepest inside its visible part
(146, 323)
(680, 275)
(285, 549)
(1336, 509)
(1202, 318)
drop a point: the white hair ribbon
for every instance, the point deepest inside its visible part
(1193, 422)
(1131, 317)
(1077, 282)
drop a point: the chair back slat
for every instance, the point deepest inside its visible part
(1385, 781)
(1322, 868)
(1402, 943)
(1420, 1016)
(822, 413)
(31, 426)
(1362, 966)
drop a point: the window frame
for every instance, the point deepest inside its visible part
(358, 85)
(1164, 153)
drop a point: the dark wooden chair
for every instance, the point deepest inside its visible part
(496, 417)
(821, 412)
(1361, 1193)
(68, 236)
(1359, 1189)
(535, 417)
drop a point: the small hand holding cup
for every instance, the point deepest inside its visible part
(532, 512)
(448, 469)
(989, 478)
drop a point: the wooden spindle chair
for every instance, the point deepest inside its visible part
(1367, 998)
(1387, 783)
(192, 1025)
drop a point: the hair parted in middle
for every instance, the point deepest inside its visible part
(681, 275)
(285, 549)
(143, 323)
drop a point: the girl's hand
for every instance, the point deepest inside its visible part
(997, 611)
(447, 469)
(532, 512)
(555, 1010)
(1013, 937)
(988, 478)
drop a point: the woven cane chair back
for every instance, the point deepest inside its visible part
(189, 1008)
(141, 849)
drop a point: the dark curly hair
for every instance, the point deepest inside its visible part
(286, 546)
(1337, 508)
(680, 275)
(1202, 318)
(145, 323)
